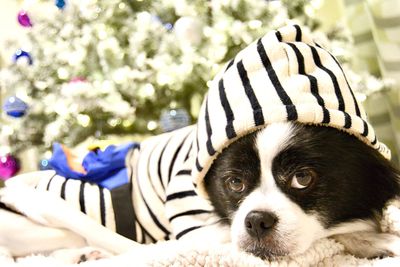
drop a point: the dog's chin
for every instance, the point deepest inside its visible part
(266, 248)
(272, 246)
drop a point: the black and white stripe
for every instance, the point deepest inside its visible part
(257, 112)
(286, 101)
(230, 117)
(88, 198)
(313, 83)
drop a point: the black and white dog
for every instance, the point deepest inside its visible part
(276, 191)
(282, 155)
(281, 188)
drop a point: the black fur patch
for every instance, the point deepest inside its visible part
(240, 159)
(354, 181)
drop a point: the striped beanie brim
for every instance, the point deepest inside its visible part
(283, 76)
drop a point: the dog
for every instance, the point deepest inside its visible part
(281, 156)
(283, 187)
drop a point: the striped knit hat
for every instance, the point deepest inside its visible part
(283, 76)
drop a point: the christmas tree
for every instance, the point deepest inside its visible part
(95, 68)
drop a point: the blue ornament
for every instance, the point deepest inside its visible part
(20, 54)
(44, 164)
(174, 119)
(15, 107)
(60, 4)
(168, 26)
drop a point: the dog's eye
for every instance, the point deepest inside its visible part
(303, 179)
(235, 184)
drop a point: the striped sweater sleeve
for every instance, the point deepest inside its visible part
(186, 211)
(165, 199)
(89, 198)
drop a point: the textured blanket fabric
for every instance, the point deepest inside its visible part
(325, 252)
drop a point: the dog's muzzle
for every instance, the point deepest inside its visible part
(262, 239)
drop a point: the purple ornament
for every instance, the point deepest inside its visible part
(9, 166)
(24, 19)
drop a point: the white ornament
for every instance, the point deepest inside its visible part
(189, 31)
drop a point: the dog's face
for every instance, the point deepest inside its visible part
(287, 185)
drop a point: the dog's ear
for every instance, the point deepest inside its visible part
(370, 244)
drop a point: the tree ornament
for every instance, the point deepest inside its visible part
(188, 30)
(23, 19)
(77, 79)
(9, 166)
(44, 164)
(15, 107)
(174, 119)
(60, 4)
(168, 26)
(22, 54)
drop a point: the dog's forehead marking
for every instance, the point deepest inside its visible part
(270, 142)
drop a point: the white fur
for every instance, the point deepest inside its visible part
(295, 229)
(270, 141)
(351, 227)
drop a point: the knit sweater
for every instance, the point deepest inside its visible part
(158, 203)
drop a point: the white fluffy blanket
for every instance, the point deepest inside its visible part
(325, 252)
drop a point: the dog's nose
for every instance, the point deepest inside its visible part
(258, 223)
